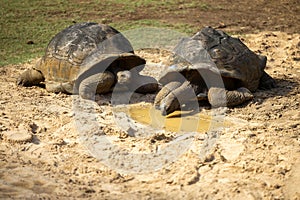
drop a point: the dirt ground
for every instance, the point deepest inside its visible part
(47, 152)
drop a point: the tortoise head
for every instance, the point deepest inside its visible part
(124, 77)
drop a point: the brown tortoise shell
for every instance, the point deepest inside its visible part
(81, 46)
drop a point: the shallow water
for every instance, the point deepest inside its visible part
(178, 121)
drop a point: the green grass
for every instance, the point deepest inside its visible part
(37, 21)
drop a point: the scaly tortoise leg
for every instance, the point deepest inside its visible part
(220, 97)
(56, 87)
(176, 97)
(99, 83)
(30, 77)
(164, 92)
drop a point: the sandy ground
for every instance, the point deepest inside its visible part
(52, 148)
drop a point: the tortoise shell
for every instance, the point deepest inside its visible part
(214, 50)
(71, 50)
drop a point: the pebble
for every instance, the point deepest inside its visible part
(18, 136)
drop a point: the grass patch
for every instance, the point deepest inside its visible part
(27, 26)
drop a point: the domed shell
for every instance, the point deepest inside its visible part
(214, 50)
(72, 49)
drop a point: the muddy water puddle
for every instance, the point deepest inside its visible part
(179, 121)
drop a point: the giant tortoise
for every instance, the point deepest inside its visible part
(216, 67)
(89, 58)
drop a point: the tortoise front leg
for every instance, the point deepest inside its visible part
(30, 77)
(99, 83)
(176, 97)
(167, 89)
(220, 97)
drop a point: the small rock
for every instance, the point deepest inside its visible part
(23, 134)
(18, 136)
